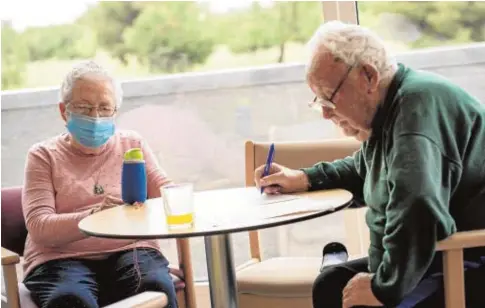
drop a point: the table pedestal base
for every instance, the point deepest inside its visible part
(220, 268)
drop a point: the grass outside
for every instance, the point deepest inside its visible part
(51, 72)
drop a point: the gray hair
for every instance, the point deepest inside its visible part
(82, 69)
(353, 44)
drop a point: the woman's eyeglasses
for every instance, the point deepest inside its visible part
(86, 109)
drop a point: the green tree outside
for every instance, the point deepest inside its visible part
(176, 36)
(267, 27)
(169, 37)
(14, 58)
(69, 41)
(439, 22)
(109, 19)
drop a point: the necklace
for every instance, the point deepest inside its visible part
(98, 188)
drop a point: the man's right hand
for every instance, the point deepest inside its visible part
(281, 180)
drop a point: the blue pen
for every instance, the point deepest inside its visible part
(269, 161)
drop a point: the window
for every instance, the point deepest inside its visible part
(407, 25)
(201, 78)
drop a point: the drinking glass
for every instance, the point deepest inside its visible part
(178, 202)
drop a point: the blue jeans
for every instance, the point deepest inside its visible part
(95, 283)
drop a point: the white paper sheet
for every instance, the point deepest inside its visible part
(269, 199)
(269, 208)
(246, 206)
(293, 207)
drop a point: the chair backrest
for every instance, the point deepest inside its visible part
(294, 155)
(14, 231)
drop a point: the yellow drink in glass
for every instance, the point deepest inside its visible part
(180, 219)
(178, 205)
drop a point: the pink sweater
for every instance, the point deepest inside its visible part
(58, 193)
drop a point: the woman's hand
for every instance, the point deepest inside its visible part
(108, 202)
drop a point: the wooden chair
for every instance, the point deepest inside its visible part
(287, 282)
(16, 295)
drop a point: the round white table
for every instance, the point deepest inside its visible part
(218, 213)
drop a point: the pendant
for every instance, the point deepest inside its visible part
(98, 189)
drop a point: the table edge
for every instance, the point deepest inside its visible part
(296, 219)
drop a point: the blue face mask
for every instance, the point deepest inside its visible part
(90, 132)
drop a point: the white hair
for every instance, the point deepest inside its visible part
(80, 71)
(352, 44)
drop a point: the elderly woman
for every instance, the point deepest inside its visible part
(420, 171)
(76, 174)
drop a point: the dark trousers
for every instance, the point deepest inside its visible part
(80, 283)
(329, 285)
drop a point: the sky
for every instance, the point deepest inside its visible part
(25, 13)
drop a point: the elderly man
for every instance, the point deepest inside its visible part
(420, 170)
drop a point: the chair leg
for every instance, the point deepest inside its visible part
(181, 299)
(11, 285)
(454, 278)
(352, 232)
(185, 262)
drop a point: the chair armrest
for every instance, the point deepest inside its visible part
(147, 299)
(247, 264)
(176, 272)
(464, 239)
(10, 291)
(9, 257)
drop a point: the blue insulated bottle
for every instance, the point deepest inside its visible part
(133, 177)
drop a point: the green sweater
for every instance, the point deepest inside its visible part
(421, 174)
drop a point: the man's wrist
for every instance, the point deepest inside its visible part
(304, 180)
(311, 178)
(381, 294)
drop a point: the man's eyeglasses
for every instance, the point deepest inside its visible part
(86, 109)
(318, 103)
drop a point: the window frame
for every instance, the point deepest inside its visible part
(345, 11)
